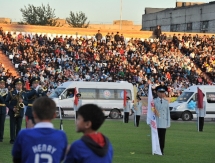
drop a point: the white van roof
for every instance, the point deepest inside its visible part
(204, 88)
(73, 84)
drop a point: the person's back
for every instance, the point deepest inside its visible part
(86, 150)
(42, 143)
(93, 147)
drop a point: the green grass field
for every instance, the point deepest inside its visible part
(133, 145)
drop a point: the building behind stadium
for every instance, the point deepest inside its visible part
(185, 17)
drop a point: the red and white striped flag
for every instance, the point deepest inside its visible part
(200, 98)
(76, 98)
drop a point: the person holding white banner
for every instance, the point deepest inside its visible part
(162, 115)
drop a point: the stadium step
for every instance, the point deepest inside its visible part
(8, 64)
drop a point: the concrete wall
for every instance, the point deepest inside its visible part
(115, 27)
(127, 31)
(182, 4)
(149, 10)
(32, 29)
(182, 16)
(5, 20)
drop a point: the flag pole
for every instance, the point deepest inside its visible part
(75, 116)
(152, 140)
(151, 128)
(61, 120)
(198, 121)
(199, 104)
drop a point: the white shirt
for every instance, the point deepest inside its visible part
(44, 125)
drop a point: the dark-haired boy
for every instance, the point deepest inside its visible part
(42, 143)
(93, 147)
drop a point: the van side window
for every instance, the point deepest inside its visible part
(194, 97)
(70, 93)
(106, 94)
(120, 94)
(210, 97)
(87, 93)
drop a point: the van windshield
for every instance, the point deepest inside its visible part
(184, 97)
(56, 93)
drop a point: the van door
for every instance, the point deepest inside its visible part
(210, 104)
(66, 102)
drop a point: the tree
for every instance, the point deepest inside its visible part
(78, 20)
(41, 15)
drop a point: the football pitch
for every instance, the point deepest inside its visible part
(133, 144)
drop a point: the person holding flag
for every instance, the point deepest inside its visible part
(151, 121)
(200, 109)
(77, 103)
(162, 115)
(126, 107)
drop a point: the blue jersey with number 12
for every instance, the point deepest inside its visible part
(39, 145)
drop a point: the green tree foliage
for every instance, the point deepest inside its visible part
(77, 20)
(41, 15)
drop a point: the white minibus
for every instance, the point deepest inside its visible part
(180, 109)
(107, 95)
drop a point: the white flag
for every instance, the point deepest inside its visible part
(153, 124)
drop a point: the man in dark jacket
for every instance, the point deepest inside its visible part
(117, 37)
(15, 101)
(3, 93)
(98, 36)
(157, 32)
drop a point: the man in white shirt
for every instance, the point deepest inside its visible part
(201, 112)
(76, 107)
(137, 108)
(127, 109)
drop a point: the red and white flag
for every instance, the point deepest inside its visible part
(124, 98)
(76, 98)
(151, 120)
(199, 104)
(27, 85)
(200, 98)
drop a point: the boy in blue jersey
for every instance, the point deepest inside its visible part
(42, 143)
(93, 147)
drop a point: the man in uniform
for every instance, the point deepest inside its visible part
(201, 112)
(35, 92)
(127, 109)
(162, 113)
(79, 104)
(3, 93)
(15, 101)
(137, 109)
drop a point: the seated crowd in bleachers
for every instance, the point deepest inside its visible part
(175, 61)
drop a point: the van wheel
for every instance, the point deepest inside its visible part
(174, 118)
(114, 114)
(186, 116)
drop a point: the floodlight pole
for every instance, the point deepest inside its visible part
(120, 14)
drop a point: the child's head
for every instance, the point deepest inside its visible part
(44, 108)
(90, 117)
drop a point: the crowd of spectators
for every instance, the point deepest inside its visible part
(175, 61)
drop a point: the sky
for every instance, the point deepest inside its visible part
(97, 11)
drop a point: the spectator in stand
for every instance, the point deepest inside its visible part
(117, 37)
(98, 36)
(61, 59)
(157, 32)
